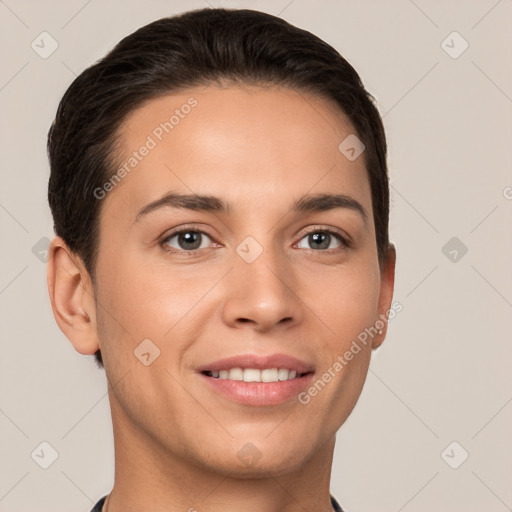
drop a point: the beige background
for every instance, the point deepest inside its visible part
(443, 374)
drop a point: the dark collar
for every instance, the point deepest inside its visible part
(99, 505)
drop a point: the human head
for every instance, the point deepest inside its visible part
(196, 48)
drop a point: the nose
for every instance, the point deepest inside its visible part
(261, 293)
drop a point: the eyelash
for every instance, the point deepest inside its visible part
(344, 241)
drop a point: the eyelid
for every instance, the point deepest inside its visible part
(342, 235)
(344, 238)
(344, 242)
(165, 238)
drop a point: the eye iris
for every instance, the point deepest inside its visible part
(189, 237)
(322, 239)
(192, 240)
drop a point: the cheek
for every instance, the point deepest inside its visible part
(122, 312)
(126, 284)
(347, 305)
(137, 302)
(347, 301)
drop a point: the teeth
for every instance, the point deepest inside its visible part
(236, 374)
(256, 375)
(252, 375)
(283, 374)
(269, 375)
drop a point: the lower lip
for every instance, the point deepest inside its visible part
(259, 393)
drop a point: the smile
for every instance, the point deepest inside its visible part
(256, 375)
(256, 379)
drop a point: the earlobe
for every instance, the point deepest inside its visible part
(387, 284)
(72, 297)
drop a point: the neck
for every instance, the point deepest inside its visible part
(148, 476)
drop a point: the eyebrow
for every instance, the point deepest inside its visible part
(206, 203)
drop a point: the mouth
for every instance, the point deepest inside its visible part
(255, 374)
(258, 380)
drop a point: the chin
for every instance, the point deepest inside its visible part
(258, 457)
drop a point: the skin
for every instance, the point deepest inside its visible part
(176, 441)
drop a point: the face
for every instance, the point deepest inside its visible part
(192, 297)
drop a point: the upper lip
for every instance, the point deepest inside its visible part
(260, 362)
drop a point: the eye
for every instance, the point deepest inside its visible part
(322, 239)
(190, 240)
(186, 240)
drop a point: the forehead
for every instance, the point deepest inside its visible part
(245, 144)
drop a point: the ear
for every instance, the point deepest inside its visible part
(72, 297)
(387, 284)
